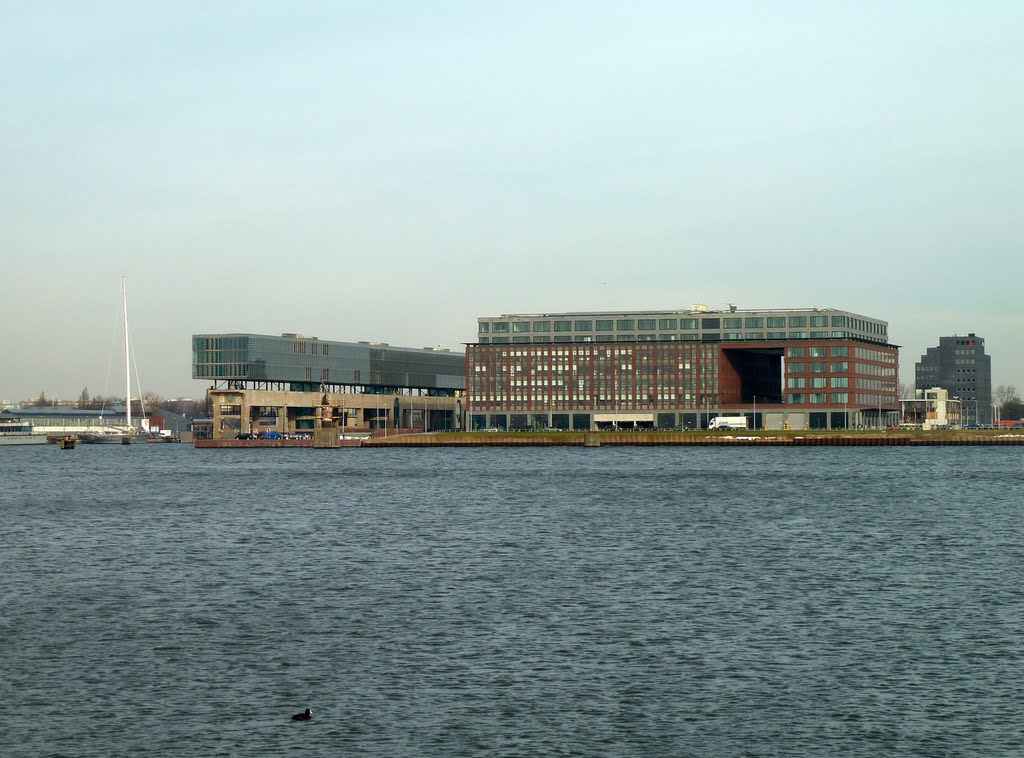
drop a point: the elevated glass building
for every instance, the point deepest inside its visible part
(294, 384)
(298, 363)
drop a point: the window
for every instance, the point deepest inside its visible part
(485, 327)
(796, 383)
(796, 368)
(584, 326)
(819, 382)
(816, 367)
(645, 324)
(776, 335)
(818, 397)
(732, 335)
(839, 321)
(839, 367)
(819, 335)
(840, 381)
(687, 323)
(732, 323)
(710, 323)
(755, 335)
(797, 321)
(542, 326)
(796, 397)
(520, 339)
(520, 326)
(794, 352)
(839, 351)
(753, 322)
(563, 326)
(840, 397)
(816, 352)
(500, 327)
(819, 321)
(625, 325)
(604, 325)
(667, 323)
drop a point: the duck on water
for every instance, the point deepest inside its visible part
(306, 715)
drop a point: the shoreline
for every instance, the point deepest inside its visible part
(937, 438)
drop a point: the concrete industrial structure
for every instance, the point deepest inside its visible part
(815, 368)
(960, 366)
(294, 384)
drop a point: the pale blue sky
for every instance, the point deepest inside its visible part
(391, 171)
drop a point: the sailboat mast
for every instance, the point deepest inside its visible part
(127, 370)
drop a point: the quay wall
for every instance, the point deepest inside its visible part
(647, 439)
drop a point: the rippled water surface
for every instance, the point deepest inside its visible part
(500, 602)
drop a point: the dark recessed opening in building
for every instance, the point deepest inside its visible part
(751, 374)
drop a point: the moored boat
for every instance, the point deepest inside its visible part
(17, 432)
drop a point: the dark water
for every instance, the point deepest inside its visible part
(569, 602)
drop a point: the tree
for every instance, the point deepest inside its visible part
(1008, 402)
(1003, 394)
(1012, 410)
(41, 401)
(83, 399)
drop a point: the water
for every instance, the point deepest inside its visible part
(529, 602)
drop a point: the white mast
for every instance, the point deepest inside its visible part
(127, 371)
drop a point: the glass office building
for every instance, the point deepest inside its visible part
(300, 363)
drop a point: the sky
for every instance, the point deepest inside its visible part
(392, 171)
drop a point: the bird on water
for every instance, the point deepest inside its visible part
(306, 715)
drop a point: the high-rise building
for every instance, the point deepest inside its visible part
(816, 368)
(960, 366)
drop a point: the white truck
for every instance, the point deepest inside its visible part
(729, 422)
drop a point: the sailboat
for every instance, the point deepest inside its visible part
(128, 434)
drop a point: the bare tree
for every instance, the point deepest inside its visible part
(1003, 394)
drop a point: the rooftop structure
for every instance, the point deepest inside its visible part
(697, 324)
